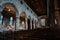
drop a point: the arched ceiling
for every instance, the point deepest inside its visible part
(38, 6)
(9, 11)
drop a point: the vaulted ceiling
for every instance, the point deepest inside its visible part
(38, 6)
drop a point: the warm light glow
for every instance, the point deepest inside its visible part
(22, 22)
(9, 10)
(10, 7)
(22, 14)
(23, 25)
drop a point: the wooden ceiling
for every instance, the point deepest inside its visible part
(38, 6)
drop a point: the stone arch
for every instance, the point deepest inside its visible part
(23, 20)
(43, 21)
(13, 5)
(8, 7)
(29, 22)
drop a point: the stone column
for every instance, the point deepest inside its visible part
(26, 24)
(17, 23)
(51, 14)
(31, 23)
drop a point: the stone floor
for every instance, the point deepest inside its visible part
(36, 34)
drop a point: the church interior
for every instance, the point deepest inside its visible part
(29, 19)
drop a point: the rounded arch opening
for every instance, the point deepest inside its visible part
(43, 21)
(29, 22)
(12, 4)
(23, 20)
(9, 17)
